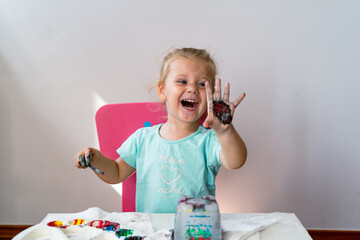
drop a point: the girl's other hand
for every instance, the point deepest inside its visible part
(84, 158)
(212, 121)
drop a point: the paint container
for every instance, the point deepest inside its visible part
(77, 222)
(57, 223)
(197, 218)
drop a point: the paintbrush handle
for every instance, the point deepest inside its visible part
(96, 170)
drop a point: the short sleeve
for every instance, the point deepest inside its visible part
(129, 149)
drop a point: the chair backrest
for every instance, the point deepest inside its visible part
(115, 123)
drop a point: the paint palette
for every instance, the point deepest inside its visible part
(93, 223)
(73, 233)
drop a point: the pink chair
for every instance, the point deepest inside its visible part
(115, 123)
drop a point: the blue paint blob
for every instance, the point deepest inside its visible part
(147, 124)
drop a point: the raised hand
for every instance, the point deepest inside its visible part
(220, 109)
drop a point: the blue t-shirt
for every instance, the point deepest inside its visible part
(166, 170)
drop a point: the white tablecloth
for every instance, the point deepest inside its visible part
(235, 226)
(254, 225)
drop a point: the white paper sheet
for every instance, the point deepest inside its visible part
(233, 229)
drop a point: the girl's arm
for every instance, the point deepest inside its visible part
(114, 171)
(233, 149)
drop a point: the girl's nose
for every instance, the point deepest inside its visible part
(192, 89)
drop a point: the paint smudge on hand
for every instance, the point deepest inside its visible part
(222, 111)
(85, 162)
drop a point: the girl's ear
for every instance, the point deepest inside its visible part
(161, 92)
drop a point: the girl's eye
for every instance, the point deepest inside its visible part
(202, 84)
(182, 81)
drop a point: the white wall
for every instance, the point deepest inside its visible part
(298, 62)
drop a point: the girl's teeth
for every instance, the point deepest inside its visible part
(189, 104)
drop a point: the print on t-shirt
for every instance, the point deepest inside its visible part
(170, 171)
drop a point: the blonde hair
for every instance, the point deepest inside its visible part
(192, 53)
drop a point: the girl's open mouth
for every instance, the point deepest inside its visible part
(189, 104)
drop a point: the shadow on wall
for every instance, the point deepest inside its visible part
(270, 180)
(37, 170)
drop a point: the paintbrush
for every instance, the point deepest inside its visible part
(96, 170)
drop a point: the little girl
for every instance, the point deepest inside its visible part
(178, 157)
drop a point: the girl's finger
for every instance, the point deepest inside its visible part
(226, 92)
(88, 159)
(238, 100)
(81, 161)
(218, 89)
(209, 97)
(88, 156)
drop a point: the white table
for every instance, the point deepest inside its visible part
(249, 226)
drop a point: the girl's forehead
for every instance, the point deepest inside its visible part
(183, 65)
